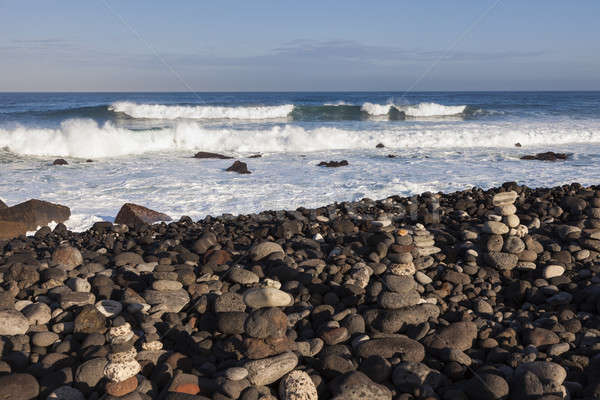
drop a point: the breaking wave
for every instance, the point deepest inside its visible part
(87, 139)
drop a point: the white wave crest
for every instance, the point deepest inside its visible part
(431, 110)
(417, 110)
(161, 111)
(86, 139)
(376, 109)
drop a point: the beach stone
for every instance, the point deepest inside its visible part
(495, 228)
(165, 285)
(552, 271)
(297, 385)
(266, 322)
(44, 339)
(408, 349)
(236, 373)
(487, 386)
(458, 335)
(264, 249)
(504, 198)
(18, 387)
(119, 372)
(128, 258)
(357, 386)
(242, 276)
(408, 375)
(399, 284)
(230, 301)
(232, 322)
(546, 371)
(422, 278)
(91, 372)
(134, 215)
(392, 300)
(173, 300)
(268, 370)
(12, 229)
(12, 322)
(119, 389)
(514, 245)
(90, 320)
(402, 269)
(37, 313)
(540, 337)
(393, 320)
(267, 297)
(71, 299)
(66, 393)
(502, 261)
(67, 257)
(109, 308)
(505, 210)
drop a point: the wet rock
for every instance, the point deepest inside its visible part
(333, 164)
(60, 161)
(239, 167)
(134, 215)
(547, 156)
(34, 213)
(204, 154)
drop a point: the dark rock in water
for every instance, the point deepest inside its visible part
(60, 161)
(89, 160)
(239, 167)
(2, 205)
(547, 156)
(27, 216)
(518, 144)
(391, 156)
(134, 215)
(204, 154)
(380, 145)
(255, 156)
(333, 164)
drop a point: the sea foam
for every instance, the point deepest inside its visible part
(87, 139)
(417, 110)
(161, 111)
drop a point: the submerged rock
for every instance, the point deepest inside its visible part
(239, 167)
(333, 164)
(204, 154)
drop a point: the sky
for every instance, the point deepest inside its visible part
(226, 45)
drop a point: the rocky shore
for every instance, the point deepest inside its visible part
(470, 295)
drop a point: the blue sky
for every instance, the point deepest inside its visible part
(110, 45)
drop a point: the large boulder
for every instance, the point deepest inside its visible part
(133, 214)
(2, 205)
(27, 216)
(12, 322)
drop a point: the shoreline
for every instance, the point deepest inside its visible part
(432, 296)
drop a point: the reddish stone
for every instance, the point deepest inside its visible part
(133, 214)
(188, 388)
(262, 348)
(119, 389)
(217, 257)
(29, 215)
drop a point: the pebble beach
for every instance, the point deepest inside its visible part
(476, 294)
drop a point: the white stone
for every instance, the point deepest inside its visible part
(504, 198)
(297, 385)
(79, 285)
(267, 297)
(552, 271)
(118, 372)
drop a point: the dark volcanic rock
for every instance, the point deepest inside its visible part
(60, 161)
(547, 156)
(333, 164)
(204, 154)
(34, 213)
(133, 214)
(239, 167)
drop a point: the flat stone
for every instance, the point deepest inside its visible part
(552, 271)
(264, 249)
(458, 335)
(268, 370)
(504, 198)
(128, 258)
(173, 300)
(422, 278)
(502, 261)
(37, 313)
(392, 300)
(72, 299)
(109, 308)
(267, 297)
(408, 349)
(163, 285)
(236, 373)
(44, 339)
(495, 227)
(242, 276)
(18, 387)
(12, 322)
(391, 321)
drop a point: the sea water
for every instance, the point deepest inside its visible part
(142, 147)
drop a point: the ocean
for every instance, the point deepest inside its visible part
(142, 147)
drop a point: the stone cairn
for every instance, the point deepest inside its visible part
(503, 234)
(122, 368)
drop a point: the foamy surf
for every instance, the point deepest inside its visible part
(87, 139)
(161, 111)
(417, 110)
